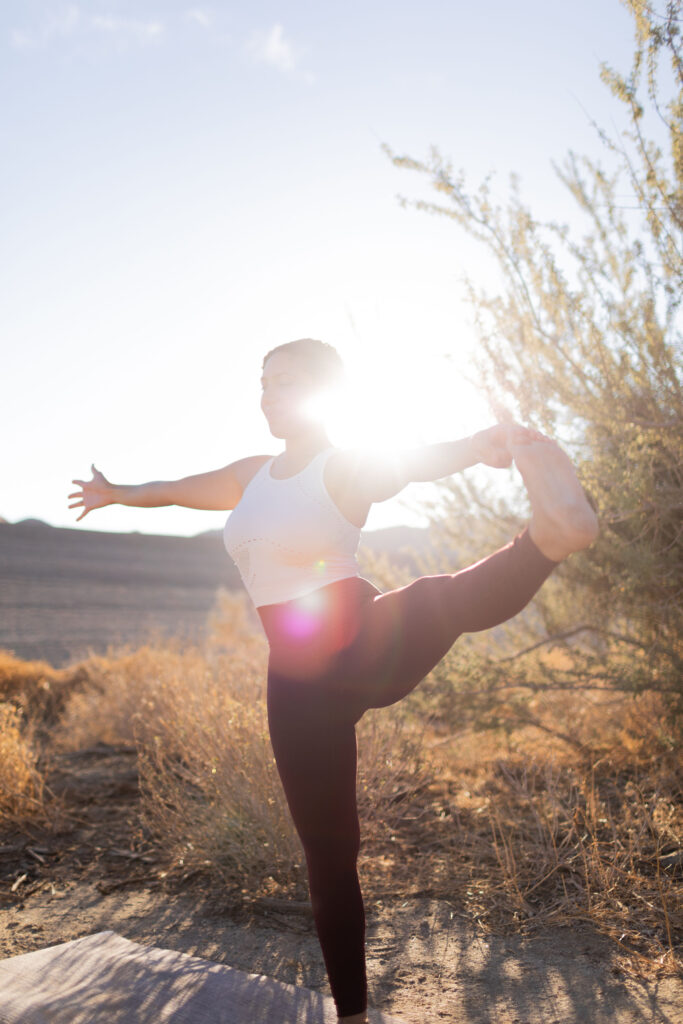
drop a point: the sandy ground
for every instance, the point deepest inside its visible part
(94, 870)
(423, 964)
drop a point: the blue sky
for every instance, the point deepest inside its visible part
(185, 186)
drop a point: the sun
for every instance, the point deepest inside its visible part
(391, 404)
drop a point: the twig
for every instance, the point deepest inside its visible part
(545, 640)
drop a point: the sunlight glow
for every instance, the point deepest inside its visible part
(391, 404)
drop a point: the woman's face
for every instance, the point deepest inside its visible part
(288, 395)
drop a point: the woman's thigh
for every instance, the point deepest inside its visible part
(314, 744)
(406, 632)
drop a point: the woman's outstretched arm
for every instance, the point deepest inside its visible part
(218, 490)
(372, 478)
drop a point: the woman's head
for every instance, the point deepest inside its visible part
(320, 360)
(295, 379)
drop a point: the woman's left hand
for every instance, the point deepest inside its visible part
(492, 446)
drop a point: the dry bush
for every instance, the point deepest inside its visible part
(19, 677)
(33, 695)
(233, 623)
(589, 841)
(210, 789)
(393, 769)
(142, 696)
(36, 689)
(219, 806)
(526, 830)
(21, 781)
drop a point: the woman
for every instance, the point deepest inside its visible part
(337, 645)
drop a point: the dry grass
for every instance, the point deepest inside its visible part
(525, 830)
(210, 788)
(33, 695)
(21, 781)
(518, 828)
(36, 689)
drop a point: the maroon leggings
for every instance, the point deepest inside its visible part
(334, 654)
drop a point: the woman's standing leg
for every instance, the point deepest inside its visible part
(315, 752)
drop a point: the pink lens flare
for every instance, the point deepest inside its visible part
(303, 619)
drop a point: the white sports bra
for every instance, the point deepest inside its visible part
(287, 537)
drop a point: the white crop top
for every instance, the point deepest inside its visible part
(287, 537)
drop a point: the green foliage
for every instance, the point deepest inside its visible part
(584, 341)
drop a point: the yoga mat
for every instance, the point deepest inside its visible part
(106, 979)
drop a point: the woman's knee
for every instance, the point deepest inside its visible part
(332, 856)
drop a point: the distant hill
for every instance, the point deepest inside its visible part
(65, 590)
(388, 540)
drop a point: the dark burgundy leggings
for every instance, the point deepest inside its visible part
(334, 654)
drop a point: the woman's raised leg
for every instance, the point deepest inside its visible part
(406, 632)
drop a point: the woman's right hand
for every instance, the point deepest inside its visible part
(492, 446)
(95, 493)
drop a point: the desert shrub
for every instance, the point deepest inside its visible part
(212, 796)
(142, 696)
(590, 840)
(556, 837)
(36, 689)
(21, 780)
(210, 789)
(583, 339)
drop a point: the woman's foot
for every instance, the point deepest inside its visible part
(562, 521)
(358, 1018)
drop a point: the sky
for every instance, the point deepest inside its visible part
(184, 186)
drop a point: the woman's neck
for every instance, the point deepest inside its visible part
(301, 448)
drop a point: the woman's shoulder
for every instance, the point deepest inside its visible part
(246, 469)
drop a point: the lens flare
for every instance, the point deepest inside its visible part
(302, 619)
(316, 407)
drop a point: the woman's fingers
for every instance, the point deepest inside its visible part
(525, 435)
(513, 427)
(87, 497)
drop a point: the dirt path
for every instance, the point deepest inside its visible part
(97, 870)
(424, 965)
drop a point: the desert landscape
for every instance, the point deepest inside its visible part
(445, 240)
